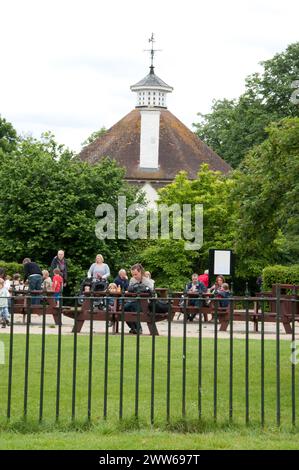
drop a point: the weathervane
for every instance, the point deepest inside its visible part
(152, 51)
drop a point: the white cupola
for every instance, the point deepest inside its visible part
(151, 91)
(151, 98)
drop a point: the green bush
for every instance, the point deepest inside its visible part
(76, 274)
(12, 268)
(280, 275)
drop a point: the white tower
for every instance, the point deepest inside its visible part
(151, 97)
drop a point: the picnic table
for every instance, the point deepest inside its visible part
(264, 309)
(113, 313)
(266, 304)
(181, 304)
(22, 304)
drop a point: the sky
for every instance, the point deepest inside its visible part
(67, 65)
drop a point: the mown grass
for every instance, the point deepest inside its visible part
(180, 432)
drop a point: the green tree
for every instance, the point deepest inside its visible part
(170, 263)
(94, 136)
(266, 200)
(8, 137)
(233, 127)
(48, 201)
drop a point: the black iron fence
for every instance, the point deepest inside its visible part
(232, 362)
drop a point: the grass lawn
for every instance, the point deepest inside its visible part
(187, 433)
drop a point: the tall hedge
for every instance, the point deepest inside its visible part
(280, 275)
(12, 268)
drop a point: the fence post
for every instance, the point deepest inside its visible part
(277, 292)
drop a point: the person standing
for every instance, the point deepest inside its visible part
(47, 281)
(59, 262)
(57, 285)
(204, 278)
(33, 273)
(99, 270)
(4, 313)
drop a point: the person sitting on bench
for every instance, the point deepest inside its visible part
(195, 287)
(224, 293)
(138, 284)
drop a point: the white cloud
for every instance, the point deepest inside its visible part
(67, 65)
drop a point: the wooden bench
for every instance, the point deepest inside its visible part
(207, 307)
(289, 305)
(114, 314)
(21, 303)
(223, 313)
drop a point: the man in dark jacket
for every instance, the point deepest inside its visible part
(33, 273)
(60, 262)
(122, 280)
(195, 287)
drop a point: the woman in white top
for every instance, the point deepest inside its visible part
(99, 269)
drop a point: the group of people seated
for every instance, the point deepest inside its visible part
(200, 285)
(140, 282)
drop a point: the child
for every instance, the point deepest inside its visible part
(224, 293)
(47, 281)
(17, 283)
(112, 289)
(57, 285)
(87, 289)
(4, 313)
(148, 275)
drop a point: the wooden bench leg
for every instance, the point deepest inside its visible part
(153, 329)
(79, 326)
(223, 324)
(56, 318)
(287, 327)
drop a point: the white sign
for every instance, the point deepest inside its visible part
(222, 262)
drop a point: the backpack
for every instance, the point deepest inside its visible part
(139, 289)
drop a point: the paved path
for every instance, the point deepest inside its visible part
(176, 328)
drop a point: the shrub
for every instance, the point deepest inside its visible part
(12, 268)
(280, 275)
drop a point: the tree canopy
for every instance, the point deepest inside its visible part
(233, 127)
(48, 202)
(265, 199)
(171, 264)
(94, 136)
(8, 137)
